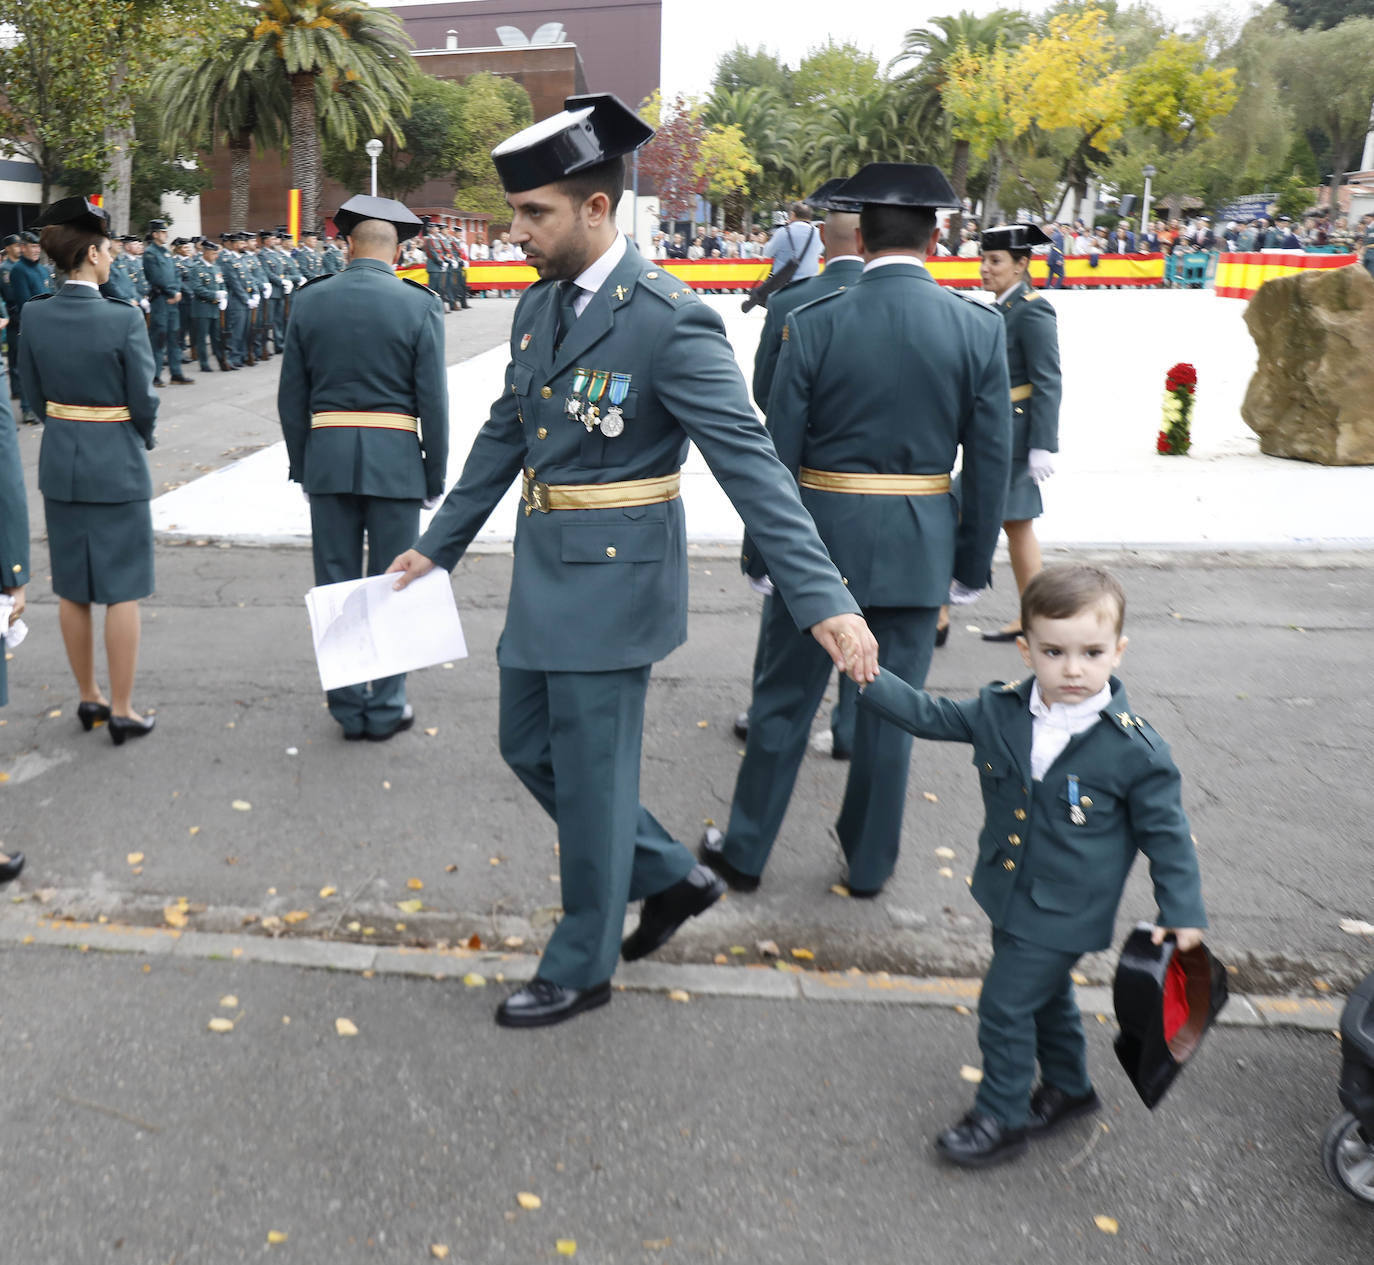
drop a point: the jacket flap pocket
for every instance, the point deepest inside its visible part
(1058, 898)
(622, 541)
(520, 378)
(992, 763)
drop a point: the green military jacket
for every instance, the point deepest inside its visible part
(365, 341)
(844, 401)
(14, 513)
(204, 281)
(255, 272)
(134, 267)
(1039, 875)
(1032, 360)
(121, 282)
(597, 590)
(160, 271)
(274, 269)
(81, 460)
(308, 263)
(839, 275)
(332, 261)
(232, 270)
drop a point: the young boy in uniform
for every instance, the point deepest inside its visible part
(1074, 785)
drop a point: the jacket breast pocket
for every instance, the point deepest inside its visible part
(520, 378)
(596, 446)
(993, 766)
(631, 539)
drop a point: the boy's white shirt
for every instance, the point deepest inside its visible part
(1056, 723)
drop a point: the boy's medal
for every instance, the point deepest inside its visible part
(592, 415)
(614, 421)
(574, 405)
(1076, 814)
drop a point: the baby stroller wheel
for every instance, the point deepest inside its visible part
(1348, 1158)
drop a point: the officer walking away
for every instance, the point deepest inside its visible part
(615, 366)
(363, 401)
(871, 437)
(164, 294)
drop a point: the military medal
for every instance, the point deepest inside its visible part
(613, 423)
(575, 404)
(525, 341)
(1076, 814)
(592, 416)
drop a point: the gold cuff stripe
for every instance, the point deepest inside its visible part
(1023, 392)
(874, 484)
(88, 412)
(597, 496)
(372, 421)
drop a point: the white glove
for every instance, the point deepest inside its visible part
(145, 305)
(253, 302)
(762, 584)
(223, 303)
(1041, 462)
(267, 292)
(431, 501)
(222, 295)
(305, 496)
(14, 635)
(961, 596)
(286, 286)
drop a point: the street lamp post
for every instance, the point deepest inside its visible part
(373, 149)
(1145, 210)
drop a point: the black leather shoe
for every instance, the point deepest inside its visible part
(662, 914)
(183, 381)
(92, 714)
(1051, 1107)
(941, 636)
(978, 1141)
(158, 382)
(407, 721)
(541, 1003)
(712, 853)
(1002, 634)
(865, 893)
(742, 726)
(10, 869)
(122, 727)
(838, 751)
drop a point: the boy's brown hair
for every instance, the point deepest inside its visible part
(1060, 592)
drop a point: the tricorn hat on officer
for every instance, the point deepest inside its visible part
(157, 226)
(825, 198)
(10, 239)
(28, 237)
(129, 238)
(78, 212)
(1014, 238)
(1166, 1000)
(364, 207)
(899, 184)
(588, 131)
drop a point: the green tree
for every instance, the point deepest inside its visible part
(1321, 14)
(853, 128)
(740, 69)
(491, 108)
(831, 70)
(772, 131)
(157, 167)
(344, 60)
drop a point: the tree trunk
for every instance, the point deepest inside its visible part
(240, 179)
(305, 146)
(1340, 156)
(958, 177)
(118, 179)
(992, 210)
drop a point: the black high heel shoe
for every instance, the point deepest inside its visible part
(122, 727)
(941, 635)
(10, 869)
(91, 714)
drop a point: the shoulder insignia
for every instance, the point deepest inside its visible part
(1010, 686)
(34, 298)
(669, 288)
(1031, 294)
(620, 293)
(419, 285)
(786, 332)
(974, 303)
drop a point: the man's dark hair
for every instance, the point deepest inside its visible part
(896, 227)
(1060, 592)
(801, 211)
(607, 178)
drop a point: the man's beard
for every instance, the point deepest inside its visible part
(564, 263)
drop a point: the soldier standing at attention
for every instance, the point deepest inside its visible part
(121, 282)
(332, 261)
(871, 437)
(260, 288)
(307, 256)
(459, 273)
(236, 307)
(270, 259)
(164, 294)
(183, 255)
(9, 256)
(363, 400)
(615, 367)
(205, 284)
(30, 278)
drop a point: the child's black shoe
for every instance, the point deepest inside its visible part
(978, 1141)
(1051, 1107)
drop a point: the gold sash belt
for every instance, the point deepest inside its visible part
(874, 484)
(88, 412)
(372, 421)
(1023, 392)
(597, 496)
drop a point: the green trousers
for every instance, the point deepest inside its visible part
(574, 740)
(340, 524)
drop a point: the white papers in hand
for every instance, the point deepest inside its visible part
(365, 630)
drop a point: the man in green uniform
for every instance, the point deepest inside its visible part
(871, 437)
(236, 305)
(29, 278)
(615, 366)
(307, 256)
(121, 283)
(259, 289)
(843, 264)
(9, 256)
(363, 400)
(164, 296)
(208, 298)
(332, 260)
(274, 295)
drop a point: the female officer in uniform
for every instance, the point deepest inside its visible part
(87, 367)
(14, 554)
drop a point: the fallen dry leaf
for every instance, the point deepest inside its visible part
(566, 1247)
(220, 1024)
(352, 926)
(474, 941)
(439, 1251)
(945, 872)
(473, 980)
(293, 916)
(721, 960)
(1107, 1225)
(433, 733)
(410, 906)
(513, 942)
(241, 806)
(415, 884)
(229, 1001)
(945, 854)
(174, 916)
(494, 860)
(971, 1074)
(930, 797)
(679, 994)
(386, 786)
(276, 1236)
(769, 948)
(701, 724)
(327, 892)
(803, 955)
(345, 1027)
(55, 713)
(195, 830)
(839, 889)
(528, 1201)
(134, 858)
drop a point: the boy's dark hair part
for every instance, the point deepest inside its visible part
(1060, 592)
(607, 178)
(896, 227)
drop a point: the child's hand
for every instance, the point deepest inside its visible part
(1187, 937)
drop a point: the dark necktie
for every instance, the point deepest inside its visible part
(568, 291)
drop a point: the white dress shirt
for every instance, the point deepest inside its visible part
(596, 273)
(883, 260)
(1056, 723)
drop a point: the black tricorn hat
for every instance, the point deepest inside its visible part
(10, 239)
(157, 226)
(899, 184)
(78, 212)
(129, 238)
(28, 237)
(589, 130)
(362, 206)
(824, 199)
(208, 243)
(1166, 1000)
(1014, 237)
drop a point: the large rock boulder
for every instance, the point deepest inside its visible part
(1312, 396)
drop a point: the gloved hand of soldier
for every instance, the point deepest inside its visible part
(223, 303)
(145, 305)
(961, 596)
(286, 286)
(852, 647)
(1041, 462)
(409, 566)
(267, 292)
(431, 501)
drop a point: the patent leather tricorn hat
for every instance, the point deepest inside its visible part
(1166, 1000)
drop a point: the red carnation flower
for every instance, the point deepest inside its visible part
(1162, 444)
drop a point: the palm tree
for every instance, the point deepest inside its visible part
(854, 129)
(930, 47)
(771, 132)
(344, 60)
(206, 100)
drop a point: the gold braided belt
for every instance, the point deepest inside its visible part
(88, 412)
(874, 484)
(597, 496)
(370, 421)
(1023, 392)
